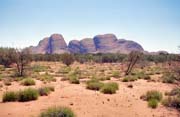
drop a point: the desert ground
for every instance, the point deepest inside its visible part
(125, 102)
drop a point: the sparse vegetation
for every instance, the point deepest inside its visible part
(58, 112)
(95, 75)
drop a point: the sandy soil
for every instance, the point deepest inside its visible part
(87, 103)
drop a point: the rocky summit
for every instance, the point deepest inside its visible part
(107, 43)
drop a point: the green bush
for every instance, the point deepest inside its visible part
(153, 103)
(94, 84)
(28, 82)
(28, 95)
(109, 88)
(153, 95)
(9, 96)
(58, 112)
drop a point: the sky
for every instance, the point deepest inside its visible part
(155, 24)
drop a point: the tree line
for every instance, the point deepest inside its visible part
(21, 58)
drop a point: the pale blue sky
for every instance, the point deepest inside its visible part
(155, 24)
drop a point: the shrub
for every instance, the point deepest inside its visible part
(168, 78)
(65, 70)
(45, 90)
(51, 88)
(2, 68)
(172, 102)
(47, 78)
(67, 59)
(153, 95)
(0, 77)
(116, 74)
(9, 96)
(74, 80)
(173, 99)
(38, 68)
(142, 75)
(129, 78)
(28, 82)
(94, 84)
(175, 91)
(28, 95)
(65, 78)
(153, 103)
(130, 86)
(125, 79)
(109, 88)
(58, 112)
(7, 82)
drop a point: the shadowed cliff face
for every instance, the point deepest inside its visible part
(107, 43)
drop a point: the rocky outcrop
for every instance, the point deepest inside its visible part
(56, 44)
(84, 46)
(107, 43)
(53, 44)
(74, 46)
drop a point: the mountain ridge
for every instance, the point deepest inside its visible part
(105, 43)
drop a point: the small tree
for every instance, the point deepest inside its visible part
(23, 57)
(133, 57)
(67, 59)
(7, 56)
